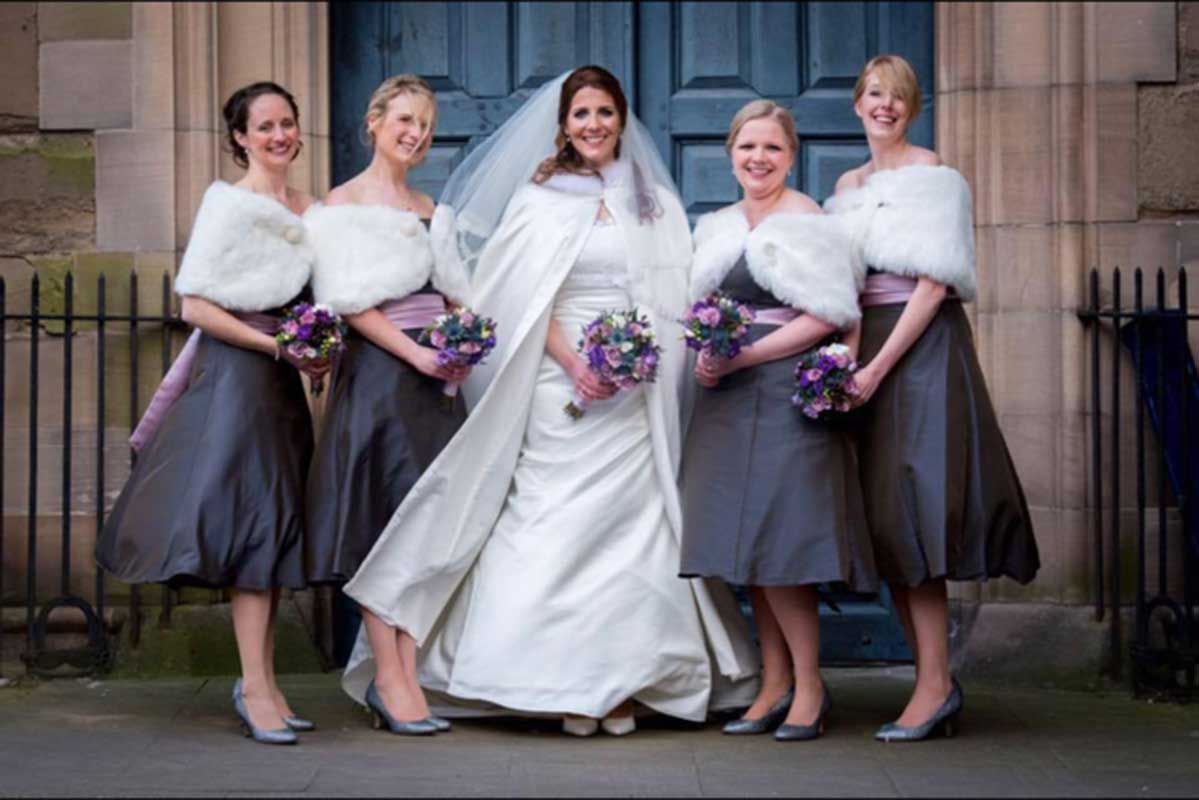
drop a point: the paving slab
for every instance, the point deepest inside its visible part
(179, 737)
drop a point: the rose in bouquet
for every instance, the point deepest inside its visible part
(716, 324)
(462, 338)
(824, 381)
(311, 332)
(620, 349)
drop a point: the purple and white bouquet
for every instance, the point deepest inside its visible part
(314, 332)
(462, 338)
(620, 347)
(716, 324)
(824, 381)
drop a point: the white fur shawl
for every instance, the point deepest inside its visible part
(368, 254)
(247, 252)
(914, 221)
(805, 260)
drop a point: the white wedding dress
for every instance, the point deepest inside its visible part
(574, 602)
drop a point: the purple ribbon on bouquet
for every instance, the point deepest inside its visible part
(178, 377)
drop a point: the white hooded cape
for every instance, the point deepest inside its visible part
(413, 574)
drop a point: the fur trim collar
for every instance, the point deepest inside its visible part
(805, 260)
(914, 221)
(366, 254)
(247, 252)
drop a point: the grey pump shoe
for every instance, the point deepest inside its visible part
(280, 736)
(442, 725)
(800, 733)
(420, 727)
(765, 723)
(944, 721)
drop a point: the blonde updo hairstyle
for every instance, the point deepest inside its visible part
(389, 90)
(763, 109)
(896, 74)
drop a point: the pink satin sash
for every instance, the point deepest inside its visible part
(414, 311)
(775, 316)
(885, 288)
(176, 381)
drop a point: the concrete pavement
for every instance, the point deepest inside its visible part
(179, 737)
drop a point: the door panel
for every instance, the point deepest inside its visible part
(482, 60)
(700, 62)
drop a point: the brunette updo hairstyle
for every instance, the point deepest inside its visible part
(567, 159)
(237, 115)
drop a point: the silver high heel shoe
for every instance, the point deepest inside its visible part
(802, 733)
(420, 727)
(944, 721)
(442, 725)
(767, 722)
(280, 736)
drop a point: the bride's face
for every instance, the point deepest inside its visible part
(593, 125)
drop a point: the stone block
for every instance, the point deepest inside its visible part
(196, 102)
(1023, 44)
(197, 154)
(963, 46)
(1070, 256)
(1068, 23)
(1167, 172)
(1073, 465)
(1188, 42)
(1027, 368)
(1022, 156)
(66, 21)
(135, 190)
(1033, 441)
(18, 286)
(1024, 259)
(18, 65)
(1067, 119)
(986, 269)
(46, 192)
(153, 66)
(48, 534)
(957, 137)
(85, 85)
(248, 30)
(1136, 42)
(1148, 244)
(1114, 121)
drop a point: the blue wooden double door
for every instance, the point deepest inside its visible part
(686, 68)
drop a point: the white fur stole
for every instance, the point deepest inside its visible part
(367, 254)
(915, 221)
(247, 252)
(804, 260)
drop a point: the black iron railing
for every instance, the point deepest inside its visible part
(96, 655)
(1165, 638)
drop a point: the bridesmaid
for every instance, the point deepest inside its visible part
(942, 498)
(385, 424)
(771, 498)
(215, 498)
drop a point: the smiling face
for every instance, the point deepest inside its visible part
(272, 135)
(761, 155)
(884, 113)
(404, 131)
(593, 126)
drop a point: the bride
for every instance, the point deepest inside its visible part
(535, 561)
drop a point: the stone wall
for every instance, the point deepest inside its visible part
(1069, 121)
(109, 134)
